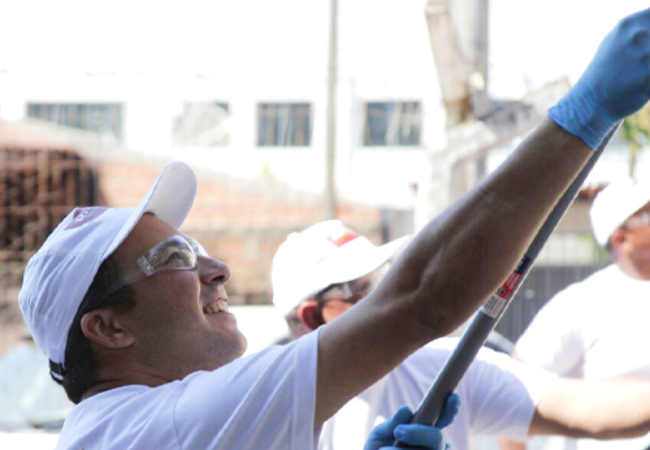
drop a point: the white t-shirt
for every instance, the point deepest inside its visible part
(594, 329)
(264, 401)
(498, 397)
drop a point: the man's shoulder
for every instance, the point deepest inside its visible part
(231, 382)
(599, 277)
(595, 286)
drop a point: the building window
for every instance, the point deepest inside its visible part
(103, 118)
(202, 125)
(392, 124)
(284, 124)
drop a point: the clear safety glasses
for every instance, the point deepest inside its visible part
(175, 253)
(352, 291)
(640, 219)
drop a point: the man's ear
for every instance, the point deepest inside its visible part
(309, 314)
(104, 327)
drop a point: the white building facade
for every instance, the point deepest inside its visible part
(242, 89)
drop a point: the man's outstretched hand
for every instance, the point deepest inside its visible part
(615, 85)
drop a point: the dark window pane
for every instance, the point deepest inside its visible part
(284, 124)
(103, 118)
(392, 124)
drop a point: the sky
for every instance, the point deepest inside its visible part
(534, 41)
(144, 36)
(531, 41)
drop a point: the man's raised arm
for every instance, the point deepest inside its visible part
(460, 258)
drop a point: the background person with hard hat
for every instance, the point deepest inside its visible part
(598, 328)
(320, 273)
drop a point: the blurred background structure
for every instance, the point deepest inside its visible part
(413, 104)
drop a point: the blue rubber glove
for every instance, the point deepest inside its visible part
(615, 84)
(424, 437)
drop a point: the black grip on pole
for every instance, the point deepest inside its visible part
(489, 314)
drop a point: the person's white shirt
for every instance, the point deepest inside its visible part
(498, 397)
(263, 401)
(594, 329)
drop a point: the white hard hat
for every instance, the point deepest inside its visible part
(324, 254)
(615, 204)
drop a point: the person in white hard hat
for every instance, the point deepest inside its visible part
(133, 315)
(326, 255)
(598, 328)
(324, 271)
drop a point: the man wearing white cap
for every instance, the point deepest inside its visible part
(133, 316)
(598, 328)
(320, 273)
(134, 320)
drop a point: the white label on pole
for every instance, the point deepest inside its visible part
(494, 306)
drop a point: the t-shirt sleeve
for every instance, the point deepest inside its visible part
(266, 400)
(553, 341)
(503, 394)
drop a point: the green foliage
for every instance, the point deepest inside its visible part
(635, 130)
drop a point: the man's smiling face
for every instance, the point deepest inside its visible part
(180, 322)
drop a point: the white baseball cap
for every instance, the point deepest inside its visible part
(615, 204)
(324, 254)
(58, 276)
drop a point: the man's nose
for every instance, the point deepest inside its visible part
(213, 271)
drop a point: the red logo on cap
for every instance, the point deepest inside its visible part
(343, 237)
(82, 216)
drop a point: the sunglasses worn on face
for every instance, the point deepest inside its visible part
(175, 253)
